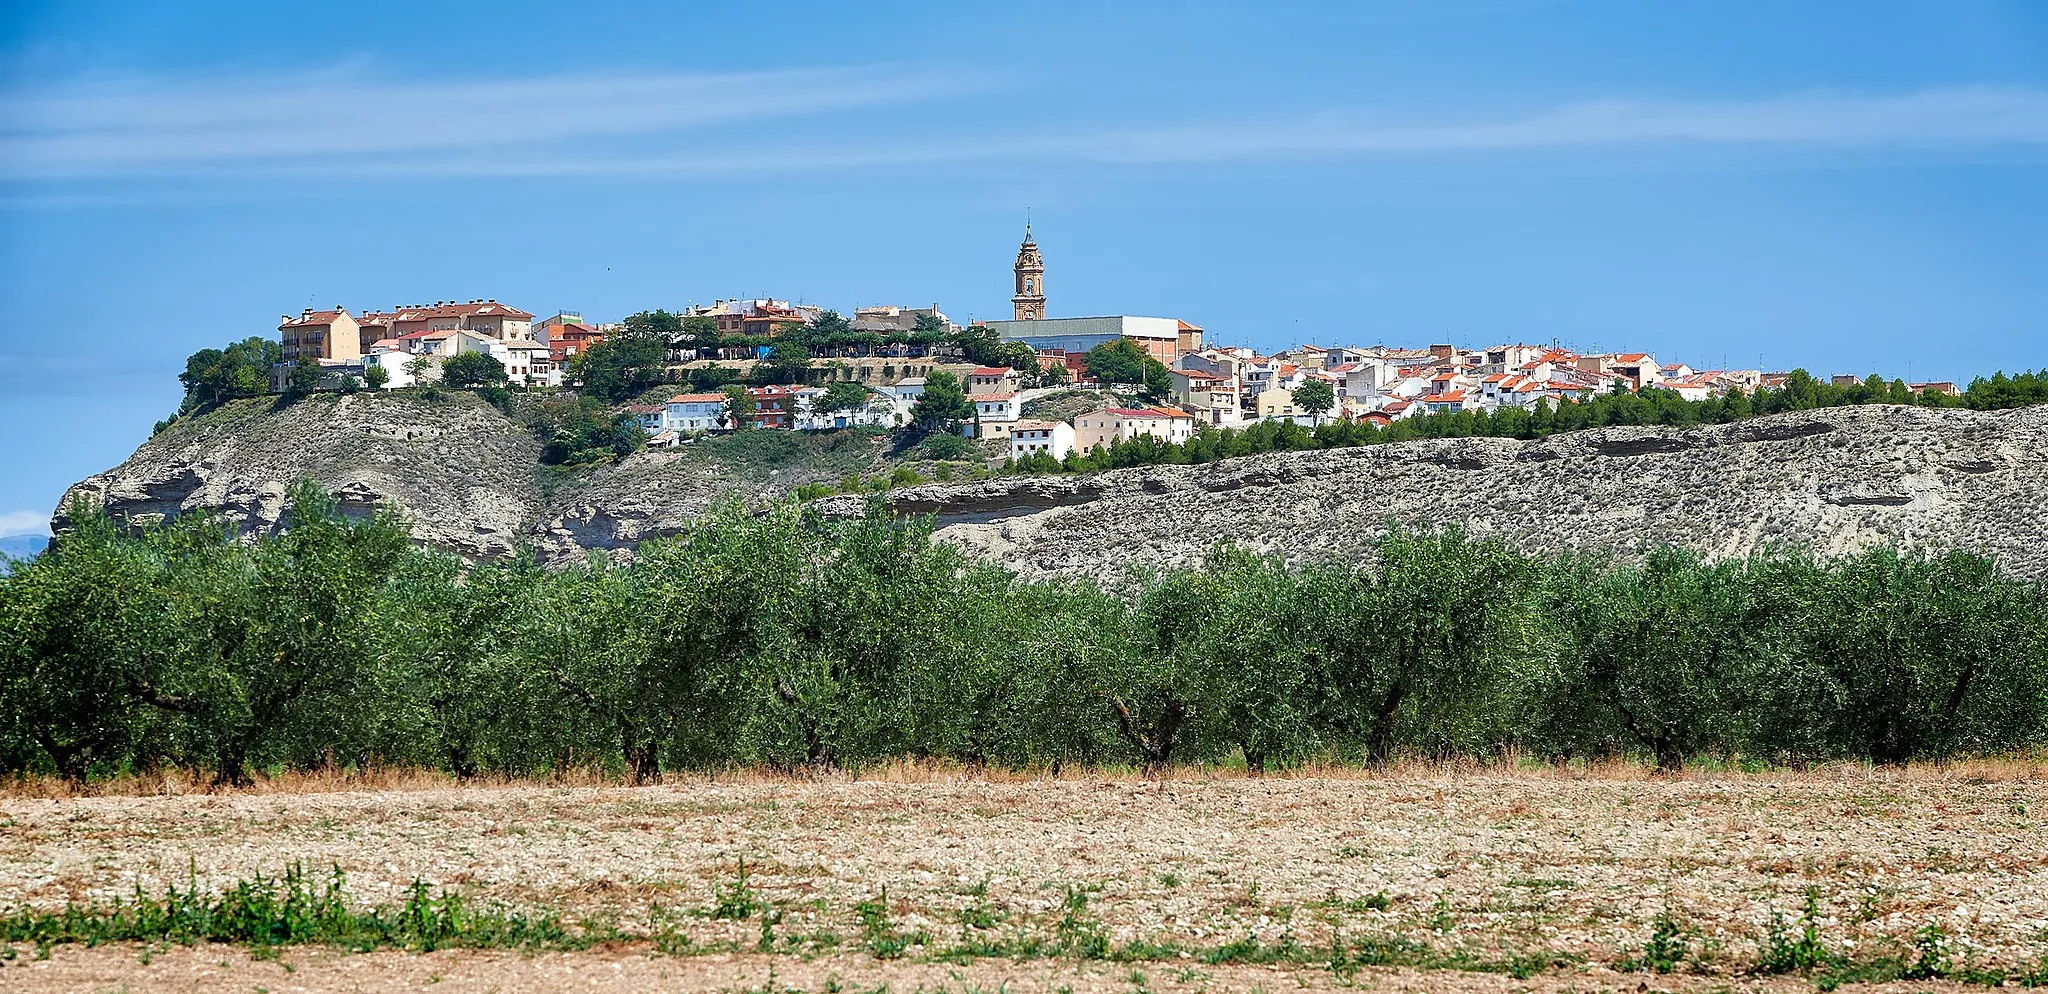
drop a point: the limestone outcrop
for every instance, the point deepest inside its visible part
(1834, 480)
(469, 480)
(459, 471)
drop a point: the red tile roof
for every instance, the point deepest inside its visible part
(310, 319)
(696, 398)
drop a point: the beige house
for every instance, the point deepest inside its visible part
(1276, 402)
(1210, 398)
(315, 334)
(486, 318)
(1116, 424)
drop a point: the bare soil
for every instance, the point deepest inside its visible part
(1487, 868)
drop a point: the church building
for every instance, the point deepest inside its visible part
(1029, 303)
(1162, 338)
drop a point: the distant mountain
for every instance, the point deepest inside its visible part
(23, 546)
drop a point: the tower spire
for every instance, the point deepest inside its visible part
(1029, 302)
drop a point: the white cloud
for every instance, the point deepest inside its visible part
(1971, 116)
(628, 125)
(14, 523)
(155, 125)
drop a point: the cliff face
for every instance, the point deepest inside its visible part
(460, 472)
(466, 477)
(469, 480)
(1833, 480)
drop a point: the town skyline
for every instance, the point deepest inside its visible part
(1845, 187)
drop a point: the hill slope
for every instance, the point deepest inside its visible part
(1833, 479)
(469, 480)
(461, 472)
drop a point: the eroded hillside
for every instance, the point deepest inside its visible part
(464, 475)
(469, 480)
(1833, 479)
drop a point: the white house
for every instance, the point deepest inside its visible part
(1054, 438)
(908, 390)
(694, 412)
(647, 416)
(1362, 382)
(397, 365)
(1448, 401)
(526, 363)
(993, 415)
(1499, 390)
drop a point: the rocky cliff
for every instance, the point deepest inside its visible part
(461, 472)
(466, 477)
(469, 480)
(1833, 480)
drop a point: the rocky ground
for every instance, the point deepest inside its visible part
(1832, 480)
(464, 475)
(1533, 867)
(469, 480)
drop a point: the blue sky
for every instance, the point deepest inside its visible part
(1847, 186)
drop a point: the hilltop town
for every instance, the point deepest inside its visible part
(771, 364)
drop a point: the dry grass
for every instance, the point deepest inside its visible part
(1479, 865)
(178, 782)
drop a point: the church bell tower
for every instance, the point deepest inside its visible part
(1029, 303)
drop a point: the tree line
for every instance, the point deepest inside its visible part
(1651, 406)
(774, 638)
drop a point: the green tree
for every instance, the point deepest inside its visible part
(93, 638)
(1316, 397)
(376, 376)
(787, 362)
(1423, 640)
(980, 345)
(472, 369)
(622, 366)
(658, 325)
(706, 379)
(1119, 361)
(1930, 655)
(842, 395)
(303, 378)
(943, 405)
(1669, 647)
(739, 406)
(1234, 635)
(215, 376)
(582, 431)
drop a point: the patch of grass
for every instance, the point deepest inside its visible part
(266, 912)
(1667, 948)
(1376, 901)
(878, 929)
(978, 914)
(1078, 933)
(1803, 952)
(736, 900)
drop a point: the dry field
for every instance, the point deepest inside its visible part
(1483, 871)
